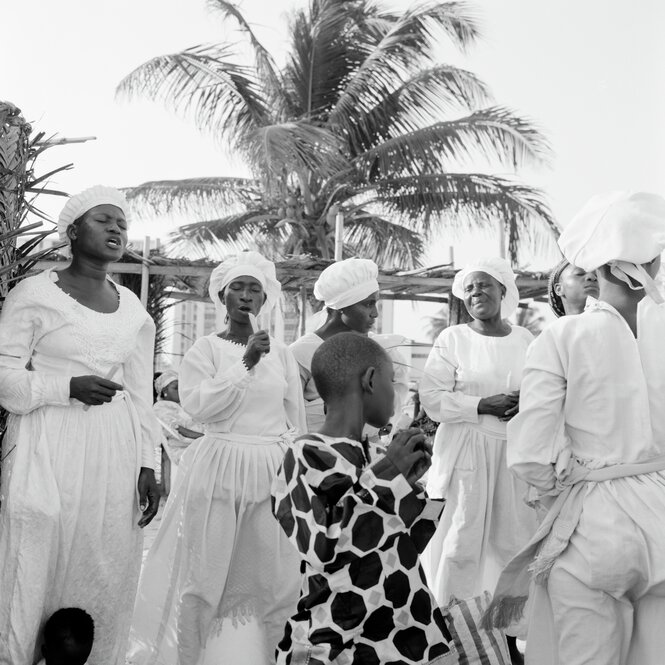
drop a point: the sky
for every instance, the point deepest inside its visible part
(589, 72)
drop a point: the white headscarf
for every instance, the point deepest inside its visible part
(86, 200)
(501, 271)
(622, 230)
(167, 377)
(347, 282)
(250, 264)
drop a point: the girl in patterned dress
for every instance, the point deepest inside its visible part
(359, 520)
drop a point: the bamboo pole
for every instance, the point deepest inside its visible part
(303, 309)
(339, 236)
(145, 272)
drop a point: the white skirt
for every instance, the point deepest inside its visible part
(68, 534)
(485, 521)
(219, 557)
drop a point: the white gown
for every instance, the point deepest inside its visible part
(68, 534)
(220, 558)
(604, 602)
(485, 521)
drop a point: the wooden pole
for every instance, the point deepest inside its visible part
(145, 272)
(303, 310)
(339, 236)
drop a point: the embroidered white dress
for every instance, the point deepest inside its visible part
(219, 553)
(304, 348)
(485, 521)
(68, 534)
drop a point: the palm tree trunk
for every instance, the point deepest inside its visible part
(14, 144)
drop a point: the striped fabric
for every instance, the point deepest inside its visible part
(475, 646)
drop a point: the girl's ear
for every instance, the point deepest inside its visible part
(367, 380)
(558, 289)
(71, 232)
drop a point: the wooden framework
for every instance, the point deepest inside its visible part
(298, 275)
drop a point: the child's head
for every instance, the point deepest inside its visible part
(348, 365)
(68, 637)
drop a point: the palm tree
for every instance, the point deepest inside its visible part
(361, 118)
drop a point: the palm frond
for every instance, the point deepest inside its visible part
(215, 238)
(196, 197)
(387, 243)
(295, 146)
(266, 67)
(492, 135)
(226, 99)
(417, 102)
(461, 200)
(405, 48)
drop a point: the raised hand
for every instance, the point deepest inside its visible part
(410, 453)
(257, 345)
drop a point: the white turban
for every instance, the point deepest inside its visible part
(250, 264)
(347, 282)
(89, 198)
(167, 377)
(622, 230)
(501, 271)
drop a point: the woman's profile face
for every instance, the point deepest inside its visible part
(574, 285)
(242, 297)
(100, 232)
(482, 295)
(362, 315)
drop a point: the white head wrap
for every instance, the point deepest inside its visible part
(347, 282)
(164, 379)
(250, 264)
(622, 230)
(89, 198)
(501, 271)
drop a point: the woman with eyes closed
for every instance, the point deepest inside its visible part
(76, 354)
(349, 290)
(471, 386)
(220, 558)
(569, 287)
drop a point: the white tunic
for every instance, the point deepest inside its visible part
(219, 552)
(485, 521)
(303, 350)
(590, 375)
(68, 534)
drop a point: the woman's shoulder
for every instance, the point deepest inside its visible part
(304, 347)
(522, 333)
(31, 291)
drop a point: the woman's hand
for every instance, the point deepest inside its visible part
(92, 389)
(502, 406)
(148, 495)
(410, 453)
(257, 345)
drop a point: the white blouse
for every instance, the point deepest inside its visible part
(217, 389)
(465, 366)
(590, 377)
(47, 337)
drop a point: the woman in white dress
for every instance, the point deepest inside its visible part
(349, 290)
(220, 558)
(471, 386)
(76, 355)
(178, 427)
(597, 558)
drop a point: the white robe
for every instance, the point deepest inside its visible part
(604, 602)
(485, 521)
(219, 555)
(303, 350)
(68, 533)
